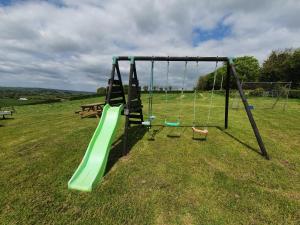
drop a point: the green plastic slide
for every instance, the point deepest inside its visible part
(93, 164)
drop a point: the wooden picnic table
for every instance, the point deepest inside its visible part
(92, 106)
(4, 113)
(92, 109)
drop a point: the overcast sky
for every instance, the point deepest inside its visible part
(68, 44)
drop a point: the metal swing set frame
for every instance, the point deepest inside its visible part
(133, 104)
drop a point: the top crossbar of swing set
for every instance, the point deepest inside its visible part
(172, 58)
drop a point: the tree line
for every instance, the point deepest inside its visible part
(281, 65)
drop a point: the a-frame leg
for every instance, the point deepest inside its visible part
(133, 110)
(248, 111)
(227, 87)
(115, 92)
(127, 109)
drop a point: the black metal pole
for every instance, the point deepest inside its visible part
(249, 114)
(227, 94)
(173, 58)
(127, 108)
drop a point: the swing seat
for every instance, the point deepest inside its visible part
(199, 131)
(172, 124)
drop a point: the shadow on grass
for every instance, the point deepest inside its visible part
(7, 118)
(239, 141)
(135, 134)
(173, 135)
(177, 131)
(199, 138)
(153, 131)
(90, 117)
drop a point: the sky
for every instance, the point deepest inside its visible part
(69, 44)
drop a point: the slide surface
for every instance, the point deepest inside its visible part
(93, 164)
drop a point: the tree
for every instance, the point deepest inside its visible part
(145, 88)
(202, 83)
(294, 73)
(101, 91)
(276, 66)
(247, 68)
(282, 66)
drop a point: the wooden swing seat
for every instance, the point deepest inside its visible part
(199, 131)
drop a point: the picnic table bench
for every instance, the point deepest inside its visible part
(5, 113)
(89, 110)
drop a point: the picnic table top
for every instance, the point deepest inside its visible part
(5, 113)
(93, 104)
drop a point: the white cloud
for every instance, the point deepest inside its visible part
(69, 44)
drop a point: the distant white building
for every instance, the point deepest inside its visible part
(23, 99)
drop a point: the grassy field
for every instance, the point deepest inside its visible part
(222, 180)
(7, 102)
(9, 96)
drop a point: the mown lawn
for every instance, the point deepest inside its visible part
(222, 180)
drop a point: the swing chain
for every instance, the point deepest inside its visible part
(166, 89)
(195, 97)
(182, 89)
(212, 94)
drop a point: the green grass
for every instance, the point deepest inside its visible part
(222, 180)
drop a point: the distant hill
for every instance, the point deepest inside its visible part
(27, 96)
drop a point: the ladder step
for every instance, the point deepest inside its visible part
(116, 89)
(135, 99)
(135, 81)
(135, 116)
(116, 95)
(135, 96)
(116, 102)
(135, 89)
(135, 122)
(116, 82)
(117, 92)
(136, 104)
(136, 110)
